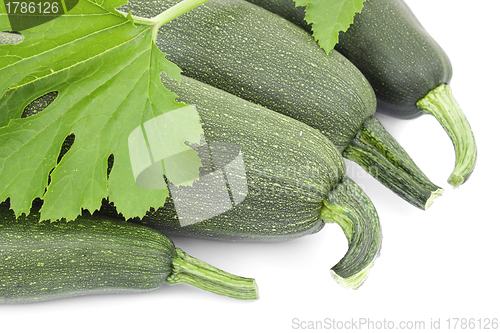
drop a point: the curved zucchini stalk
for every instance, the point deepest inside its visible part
(189, 270)
(351, 208)
(376, 151)
(440, 103)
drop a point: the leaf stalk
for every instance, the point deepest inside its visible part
(167, 15)
(174, 12)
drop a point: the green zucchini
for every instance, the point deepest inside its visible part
(295, 182)
(245, 50)
(408, 70)
(97, 254)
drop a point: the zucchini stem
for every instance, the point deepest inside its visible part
(186, 269)
(376, 151)
(441, 103)
(349, 206)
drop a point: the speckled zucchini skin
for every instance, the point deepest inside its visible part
(290, 169)
(392, 49)
(256, 55)
(91, 255)
(399, 58)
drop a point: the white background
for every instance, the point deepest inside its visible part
(434, 265)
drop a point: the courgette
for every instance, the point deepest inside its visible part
(97, 254)
(406, 67)
(254, 54)
(294, 183)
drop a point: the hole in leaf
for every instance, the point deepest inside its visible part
(111, 160)
(39, 104)
(10, 37)
(68, 142)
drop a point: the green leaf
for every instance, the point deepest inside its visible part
(329, 17)
(106, 70)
